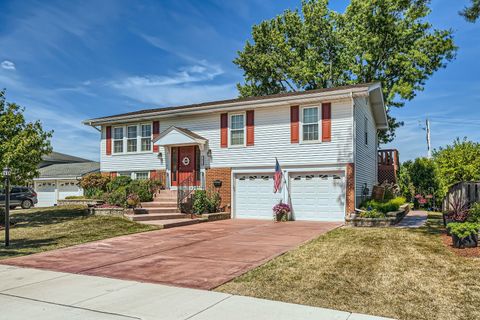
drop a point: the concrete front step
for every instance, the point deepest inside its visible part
(159, 204)
(164, 224)
(157, 216)
(157, 210)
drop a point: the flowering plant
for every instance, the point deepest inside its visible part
(281, 211)
(133, 200)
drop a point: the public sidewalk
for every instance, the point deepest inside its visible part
(39, 294)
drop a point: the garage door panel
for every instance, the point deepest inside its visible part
(254, 197)
(45, 194)
(318, 196)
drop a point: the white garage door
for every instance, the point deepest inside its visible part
(46, 194)
(254, 197)
(68, 188)
(318, 196)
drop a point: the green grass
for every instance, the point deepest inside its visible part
(399, 273)
(36, 230)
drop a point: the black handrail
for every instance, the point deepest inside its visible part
(184, 192)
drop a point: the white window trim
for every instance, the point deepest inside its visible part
(319, 110)
(134, 174)
(123, 139)
(127, 138)
(139, 139)
(230, 115)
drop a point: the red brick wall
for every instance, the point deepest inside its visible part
(350, 189)
(225, 191)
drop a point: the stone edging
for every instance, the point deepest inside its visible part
(392, 218)
(80, 202)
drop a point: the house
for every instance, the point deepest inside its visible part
(461, 194)
(325, 141)
(58, 177)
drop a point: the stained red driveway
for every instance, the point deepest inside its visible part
(201, 256)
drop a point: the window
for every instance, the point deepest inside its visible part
(132, 139)
(141, 176)
(365, 130)
(237, 130)
(118, 140)
(146, 138)
(310, 124)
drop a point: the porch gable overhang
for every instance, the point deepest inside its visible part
(175, 136)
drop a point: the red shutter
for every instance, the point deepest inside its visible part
(224, 130)
(108, 130)
(250, 128)
(294, 128)
(156, 133)
(326, 122)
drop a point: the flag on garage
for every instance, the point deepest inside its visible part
(277, 178)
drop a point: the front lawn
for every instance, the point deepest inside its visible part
(43, 229)
(400, 273)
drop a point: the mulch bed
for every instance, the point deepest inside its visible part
(467, 252)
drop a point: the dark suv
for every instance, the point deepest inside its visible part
(20, 196)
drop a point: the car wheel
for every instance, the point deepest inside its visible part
(27, 204)
(12, 207)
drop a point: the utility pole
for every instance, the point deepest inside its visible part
(429, 146)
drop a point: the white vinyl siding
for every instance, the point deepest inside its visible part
(272, 139)
(366, 149)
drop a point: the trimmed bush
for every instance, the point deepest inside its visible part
(118, 182)
(384, 206)
(142, 188)
(94, 184)
(118, 197)
(372, 214)
(204, 202)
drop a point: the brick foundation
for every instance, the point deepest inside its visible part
(350, 189)
(225, 191)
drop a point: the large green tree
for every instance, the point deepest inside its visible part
(458, 162)
(22, 143)
(472, 12)
(388, 41)
(419, 176)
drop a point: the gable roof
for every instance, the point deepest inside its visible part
(192, 136)
(293, 97)
(68, 170)
(62, 157)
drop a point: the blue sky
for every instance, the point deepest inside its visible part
(67, 61)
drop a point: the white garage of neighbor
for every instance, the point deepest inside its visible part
(58, 181)
(316, 196)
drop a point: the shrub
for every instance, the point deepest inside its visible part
(463, 230)
(204, 202)
(372, 214)
(142, 188)
(474, 214)
(117, 182)
(94, 184)
(384, 206)
(118, 197)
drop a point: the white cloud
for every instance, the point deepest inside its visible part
(6, 64)
(190, 84)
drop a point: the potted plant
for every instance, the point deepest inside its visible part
(133, 200)
(281, 212)
(464, 234)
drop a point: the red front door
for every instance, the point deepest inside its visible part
(183, 164)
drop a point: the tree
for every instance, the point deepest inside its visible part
(458, 162)
(472, 12)
(419, 177)
(22, 144)
(387, 41)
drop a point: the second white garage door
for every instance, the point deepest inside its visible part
(254, 197)
(318, 196)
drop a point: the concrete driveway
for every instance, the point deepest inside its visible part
(200, 256)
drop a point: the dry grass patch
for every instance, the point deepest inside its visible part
(42, 229)
(400, 273)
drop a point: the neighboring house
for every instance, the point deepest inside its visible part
(59, 178)
(325, 141)
(461, 194)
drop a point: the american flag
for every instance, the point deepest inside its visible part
(277, 178)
